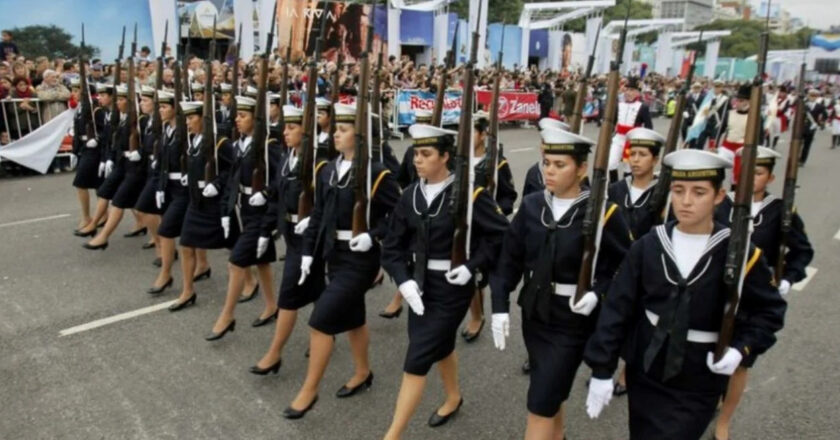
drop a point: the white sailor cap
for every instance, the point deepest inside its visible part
(552, 123)
(191, 107)
(225, 87)
(147, 91)
(690, 164)
(292, 114)
(766, 156)
(645, 137)
(425, 135)
(273, 98)
(422, 116)
(322, 103)
(345, 113)
(166, 97)
(104, 88)
(556, 141)
(718, 83)
(122, 90)
(197, 87)
(246, 103)
(251, 91)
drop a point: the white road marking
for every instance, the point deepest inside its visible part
(34, 220)
(837, 235)
(521, 150)
(116, 318)
(809, 274)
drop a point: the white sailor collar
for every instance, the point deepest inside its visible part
(570, 214)
(663, 233)
(419, 193)
(645, 194)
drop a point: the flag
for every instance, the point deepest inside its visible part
(699, 124)
(37, 149)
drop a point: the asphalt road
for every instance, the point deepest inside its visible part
(154, 377)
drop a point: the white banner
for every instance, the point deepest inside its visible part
(161, 11)
(37, 149)
(243, 11)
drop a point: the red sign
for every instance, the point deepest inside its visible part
(513, 106)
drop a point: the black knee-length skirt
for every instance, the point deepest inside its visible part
(177, 199)
(130, 188)
(341, 306)
(146, 201)
(87, 170)
(202, 227)
(244, 252)
(431, 337)
(111, 183)
(292, 296)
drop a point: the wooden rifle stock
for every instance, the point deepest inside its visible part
(84, 94)
(157, 122)
(492, 153)
(234, 87)
(133, 133)
(259, 176)
(114, 123)
(334, 98)
(361, 157)
(437, 113)
(576, 122)
(208, 129)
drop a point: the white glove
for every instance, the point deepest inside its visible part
(185, 180)
(257, 199)
(586, 304)
(686, 115)
(92, 143)
(101, 172)
(727, 364)
(410, 290)
(784, 287)
(159, 199)
(305, 267)
(154, 164)
(500, 324)
(134, 156)
(74, 160)
(109, 167)
(210, 191)
(262, 246)
(226, 225)
(600, 393)
(301, 226)
(361, 243)
(459, 276)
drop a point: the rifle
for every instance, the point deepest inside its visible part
(461, 186)
(114, 122)
(598, 190)
(791, 171)
(659, 198)
(307, 152)
(284, 82)
(334, 97)
(181, 139)
(492, 154)
(208, 124)
(739, 239)
(259, 176)
(185, 67)
(576, 124)
(437, 113)
(377, 136)
(133, 132)
(157, 122)
(234, 87)
(86, 103)
(361, 158)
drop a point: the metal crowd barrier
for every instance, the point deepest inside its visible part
(16, 121)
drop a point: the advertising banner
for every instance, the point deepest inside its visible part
(513, 106)
(410, 100)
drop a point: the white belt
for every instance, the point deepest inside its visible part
(439, 265)
(565, 289)
(202, 184)
(247, 190)
(126, 153)
(698, 336)
(174, 176)
(292, 218)
(344, 235)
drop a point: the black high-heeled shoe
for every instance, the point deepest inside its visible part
(259, 322)
(157, 290)
(292, 414)
(179, 306)
(438, 420)
(159, 261)
(244, 299)
(137, 233)
(79, 233)
(148, 245)
(95, 247)
(274, 368)
(391, 315)
(203, 275)
(346, 391)
(216, 336)
(470, 337)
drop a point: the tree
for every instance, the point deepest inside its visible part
(746, 35)
(499, 11)
(50, 41)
